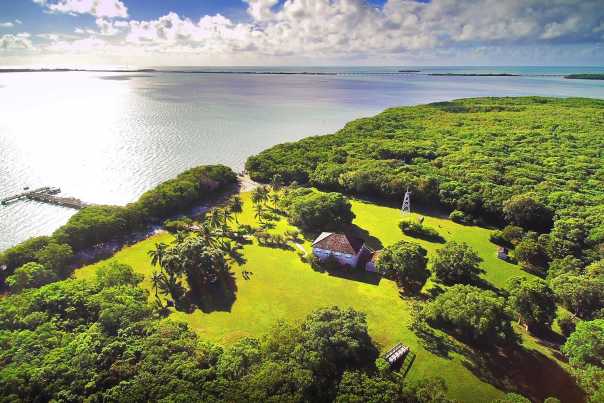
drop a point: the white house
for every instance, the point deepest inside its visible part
(344, 248)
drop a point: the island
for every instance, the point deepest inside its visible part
(475, 74)
(365, 262)
(599, 76)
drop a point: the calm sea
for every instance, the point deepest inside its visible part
(108, 137)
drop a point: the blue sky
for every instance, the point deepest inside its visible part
(282, 32)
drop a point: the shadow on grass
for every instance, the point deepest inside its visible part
(355, 274)
(434, 341)
(217, 297)
(528, 372)
(371, 241)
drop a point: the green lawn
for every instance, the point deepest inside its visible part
(283, 287)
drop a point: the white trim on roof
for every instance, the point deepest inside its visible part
(322, 237)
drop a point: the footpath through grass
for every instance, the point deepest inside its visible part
(282, 287)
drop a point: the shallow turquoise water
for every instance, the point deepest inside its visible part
(107, 137)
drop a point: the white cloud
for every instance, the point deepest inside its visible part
(6, 24)
(344, 29)
(98, 8)
(16, 42)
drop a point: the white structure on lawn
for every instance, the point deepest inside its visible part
(406, 209)
(345, 249)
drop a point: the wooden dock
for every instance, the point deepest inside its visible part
(47, 195)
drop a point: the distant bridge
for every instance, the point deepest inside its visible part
(47, 195)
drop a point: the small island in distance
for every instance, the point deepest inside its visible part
(592, 76)
(475, 74)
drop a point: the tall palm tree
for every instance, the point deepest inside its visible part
(259, 213)
(274, 198)
(215, 219)
(231, 251)
(157, 254)
(235, 206)
(158, 281)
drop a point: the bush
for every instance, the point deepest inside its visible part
(418, 230)
(460, 217)
(567, 324)
(512, 234)
(496, 237)
(178, 225)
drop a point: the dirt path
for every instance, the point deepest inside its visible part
(246, 183)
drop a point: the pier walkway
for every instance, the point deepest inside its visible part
(47, 195)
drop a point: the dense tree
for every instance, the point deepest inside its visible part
(316, 211)
(22, 253)
(533, 301)
(537, 155)
(526, 211)
(406, 262)
(30, 275)
(456, 263)
(333, 340)
(473, 314)
(358, 387)
(580, 294)
(98, 340)
(567, 238)
(97, 224)
(586, 345)
(568, 264)
(529, 254)
(114, 274)
(585, 351)
(512, 398)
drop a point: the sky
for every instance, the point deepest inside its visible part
(142, 33)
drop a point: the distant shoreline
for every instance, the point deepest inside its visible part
(476, 74)
(585, 76)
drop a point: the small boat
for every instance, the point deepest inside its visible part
(26, 188)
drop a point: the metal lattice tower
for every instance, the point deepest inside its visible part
(406, 209)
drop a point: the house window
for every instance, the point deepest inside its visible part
(338, 254)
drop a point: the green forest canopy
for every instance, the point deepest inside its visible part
(470, 155)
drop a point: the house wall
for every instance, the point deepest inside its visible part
(350, 260)
(370, 266)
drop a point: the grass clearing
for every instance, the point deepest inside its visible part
(281, 286)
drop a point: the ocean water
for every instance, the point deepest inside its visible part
(108, 137)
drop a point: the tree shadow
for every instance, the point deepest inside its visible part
(216, 297)
(528, 372)
(438, 344)
(358, 232)
(355, 274)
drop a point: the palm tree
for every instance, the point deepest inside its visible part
(235, 206)
(274, 197)
(260, 195)
(157, 279)
(157, 254)
(215, 219)
(259, 213)
(277, 182)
